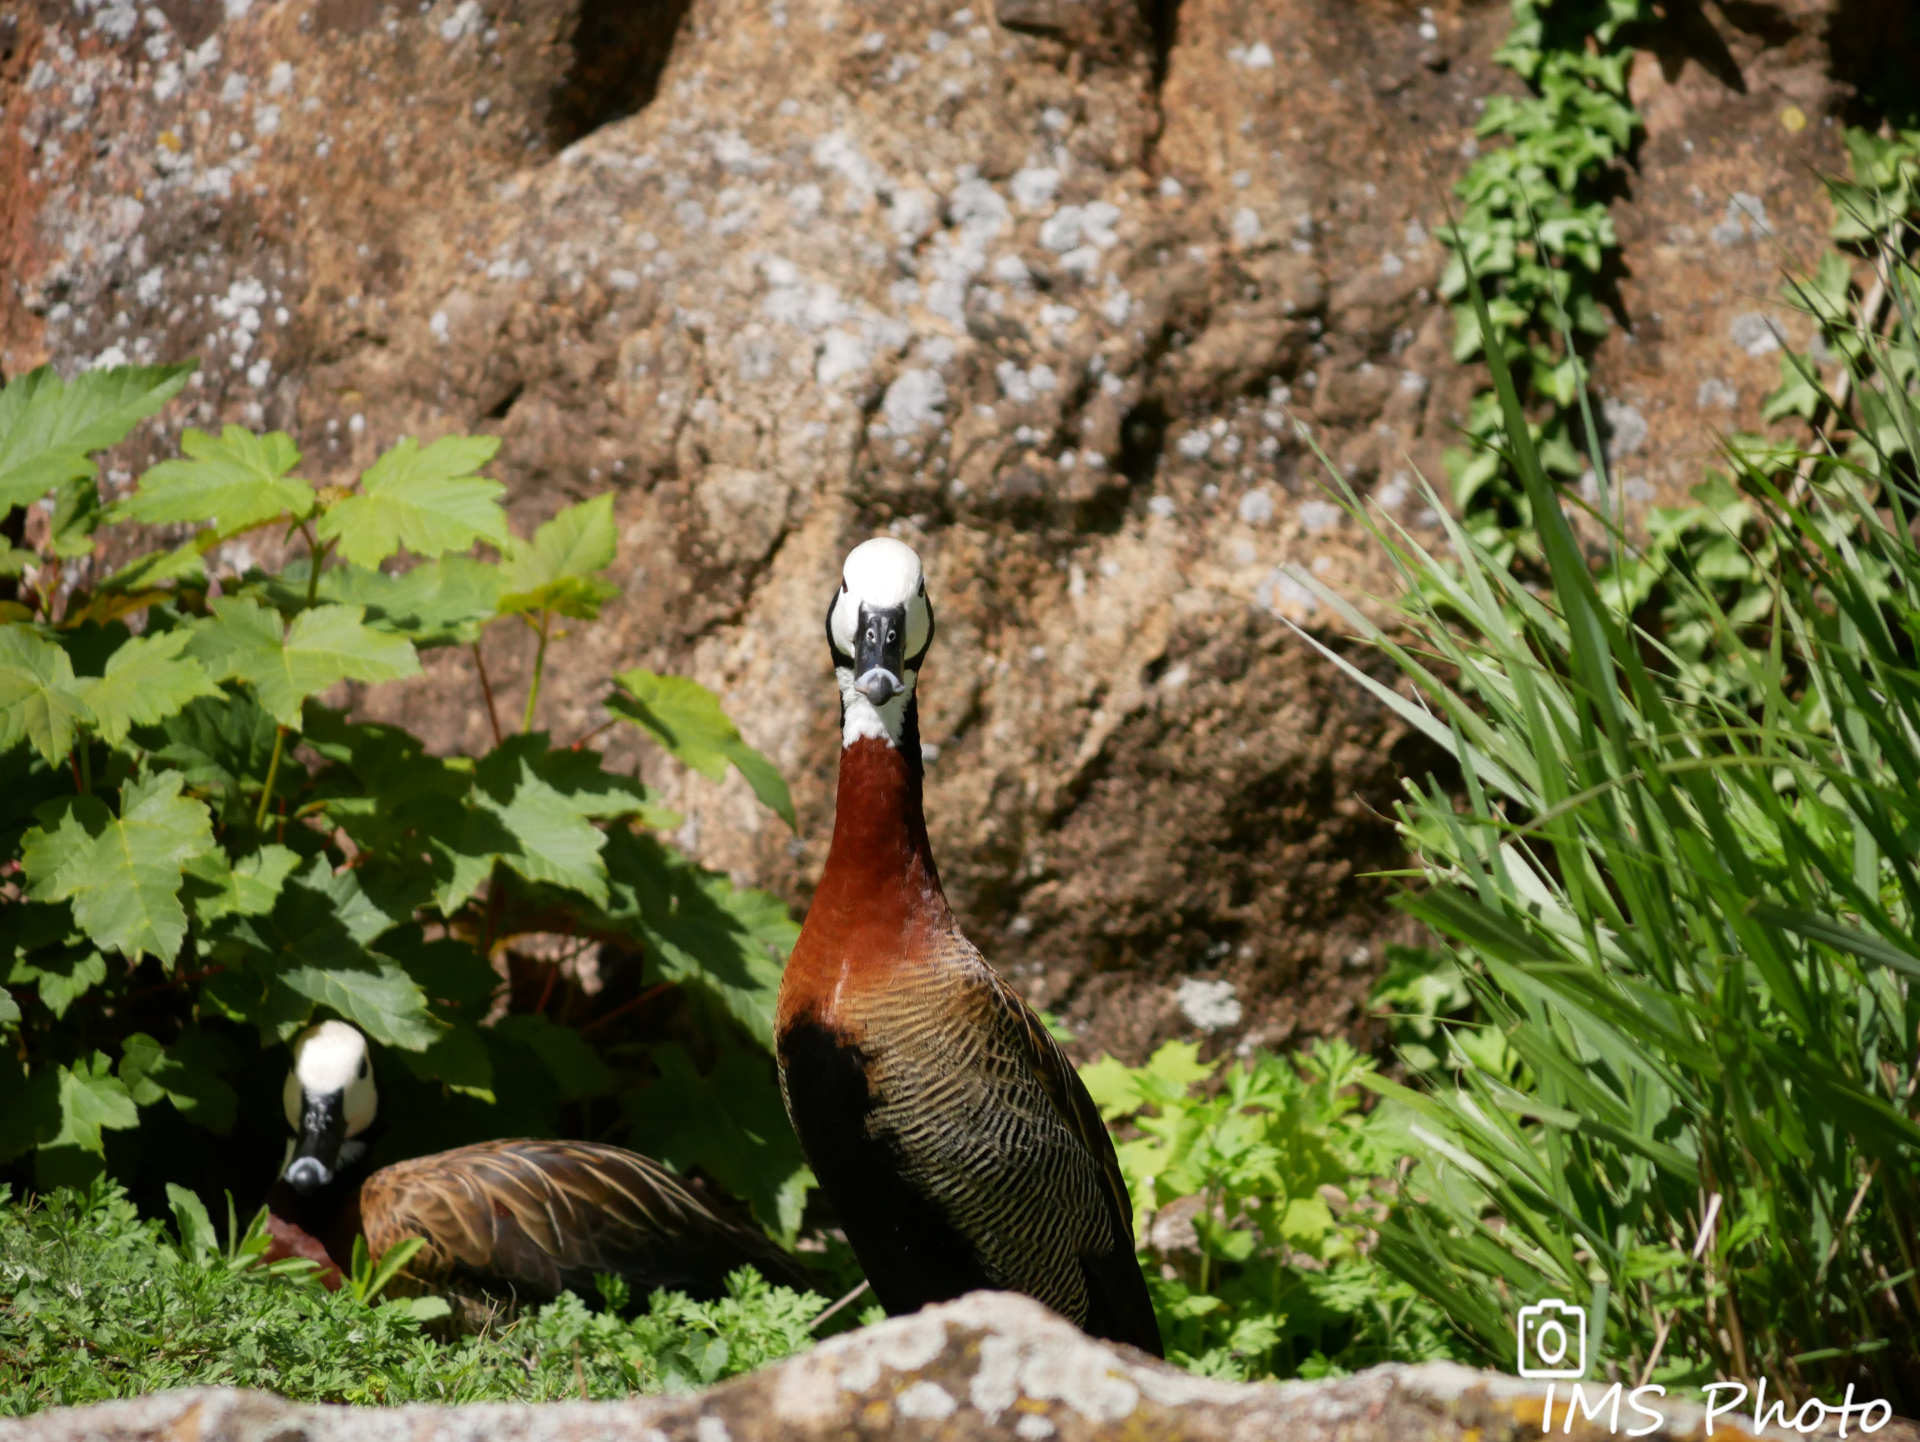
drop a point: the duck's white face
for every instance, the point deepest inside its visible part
(329, 1097)
(879, 627)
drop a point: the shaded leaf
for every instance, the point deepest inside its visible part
(185, 1073)
(428, 501)
(247, 887)
(123, 873)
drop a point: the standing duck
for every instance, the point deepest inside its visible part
(958, 1146)
(518, 1219)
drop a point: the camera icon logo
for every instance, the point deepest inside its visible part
(1553, 1339)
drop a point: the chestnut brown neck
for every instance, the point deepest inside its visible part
(880, 868)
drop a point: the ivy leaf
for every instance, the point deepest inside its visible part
(559, 569)
(312, 950)
(234, 481)
(429, 501)
(146, 681)
(248, 887)
(49, 427)
(40, 701)
(123, 873)
(685, 718)
(186, 1074)
(245, 641)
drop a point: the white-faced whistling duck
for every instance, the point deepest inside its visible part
(948, 1129)
(515, 1220)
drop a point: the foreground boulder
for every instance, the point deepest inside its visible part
(988, 1365)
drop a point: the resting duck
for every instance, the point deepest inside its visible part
(958, 1146)
(518, 1220)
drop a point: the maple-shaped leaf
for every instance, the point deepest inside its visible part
(86, 1099)
(686, 719)
(247, 887)
(427, 501)
(442, 603)
(314, 949)
(233, 481)
(62, 974)
(49, 427)
(700, 927)
(40, 698)
(559, 569)
(186, 1074)
(122, 873)
(247, 642)
(146, 681)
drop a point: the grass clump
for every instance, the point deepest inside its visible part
(101, 1304)
(1688, 916)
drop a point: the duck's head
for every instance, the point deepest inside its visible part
(330, 1099)
(879, 628)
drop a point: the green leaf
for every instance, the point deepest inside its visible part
(49, 427)
(442, 603)
(77, 514)
(685, 718)
(700, 928)
(312, 950)
(221, 744)
(123, 873)
(429, 501)
(575, 1065)
(197, 1239)
(245, 641)
(146, 681)
(62, 974)
(459, 1060)
(234, 482)
(186, 1074)
(559, 570)
(40, 701)
(248, 887)
(88, 1099)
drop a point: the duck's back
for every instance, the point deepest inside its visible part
(535, 1218)
(958, 1146)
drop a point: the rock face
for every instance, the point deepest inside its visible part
(991, 1365)
(1056, 290)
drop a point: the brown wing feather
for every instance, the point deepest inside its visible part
(539, 1217)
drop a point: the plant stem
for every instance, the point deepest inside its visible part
(273, 771)
(539, 667)
(86, 767)
(486, 690)
(316, 553)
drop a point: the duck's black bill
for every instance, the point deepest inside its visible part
(323, 1129)
(880, 652)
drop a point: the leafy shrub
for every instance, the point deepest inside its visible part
(1257, 1192)
(197, 853)
(1691, 917)
(100, 1304)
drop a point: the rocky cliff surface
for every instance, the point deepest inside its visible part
(1053, 289)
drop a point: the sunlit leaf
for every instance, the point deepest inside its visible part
(233, 481)
(285, 664)
(49, 427)
(428, 501)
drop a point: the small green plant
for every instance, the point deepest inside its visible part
(96, 1303)
(1258, 1187)
(198, 854)
(1535, 228)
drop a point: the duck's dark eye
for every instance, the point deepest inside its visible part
(363, 1068)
